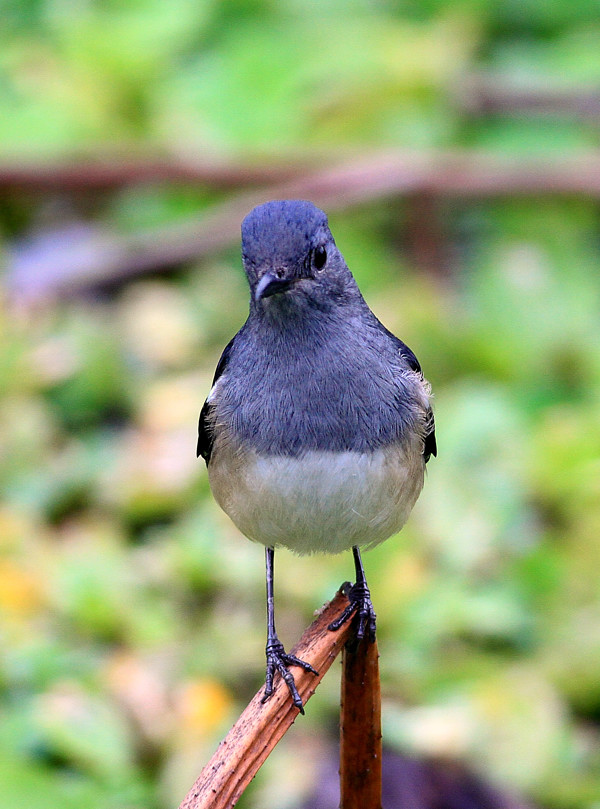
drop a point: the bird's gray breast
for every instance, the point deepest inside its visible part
(318, 443)
(287, 397)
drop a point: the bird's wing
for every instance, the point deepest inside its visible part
(429, 443)
(205, 430)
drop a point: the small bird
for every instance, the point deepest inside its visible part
(318, 425)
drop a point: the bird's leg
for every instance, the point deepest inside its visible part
(277, 658)
(360, 603)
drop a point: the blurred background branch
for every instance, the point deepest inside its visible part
(84, 258)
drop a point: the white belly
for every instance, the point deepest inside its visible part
(322, 502)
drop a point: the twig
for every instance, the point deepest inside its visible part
(360, 728)
(259, 728)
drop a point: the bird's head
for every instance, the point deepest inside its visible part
(290, 257)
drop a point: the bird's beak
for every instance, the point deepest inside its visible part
(271, 284)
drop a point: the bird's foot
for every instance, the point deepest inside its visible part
(360, 606)
(279, 660)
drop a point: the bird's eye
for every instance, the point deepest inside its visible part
(319, 257)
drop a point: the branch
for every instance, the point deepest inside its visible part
(103, 172)
(81, 258)
(360, 728)
(259, 728)
(481, 94)
(452, 172)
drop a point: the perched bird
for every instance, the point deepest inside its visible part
(318, 425)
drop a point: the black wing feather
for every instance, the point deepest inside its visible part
(205, 432)
(429, 444)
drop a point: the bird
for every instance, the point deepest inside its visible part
(319, 423)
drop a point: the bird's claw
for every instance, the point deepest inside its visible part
(279, 660)
(362, 607)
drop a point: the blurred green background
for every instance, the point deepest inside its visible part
(131, 611)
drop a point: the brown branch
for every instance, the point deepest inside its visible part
(360, 728)
(259, 728)
(426, 238)
(102, 172)
(95, 259)
(484, 95)
(452, 172)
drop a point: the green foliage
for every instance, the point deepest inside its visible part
(131, 611)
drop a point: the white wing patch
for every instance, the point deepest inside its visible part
(213, 390)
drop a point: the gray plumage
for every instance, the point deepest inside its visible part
(318, 426)
(312, 374)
